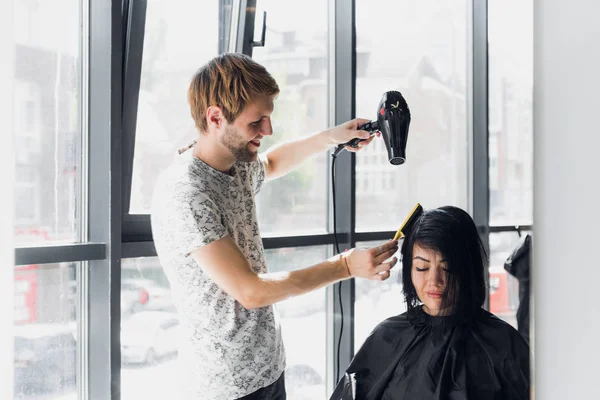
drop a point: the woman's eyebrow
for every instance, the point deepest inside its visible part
(426, 260)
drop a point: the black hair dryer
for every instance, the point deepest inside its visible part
(393, 121)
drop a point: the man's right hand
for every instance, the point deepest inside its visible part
(372, 263)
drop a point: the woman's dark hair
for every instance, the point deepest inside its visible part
(452, 232)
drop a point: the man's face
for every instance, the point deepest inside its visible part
(243, 136)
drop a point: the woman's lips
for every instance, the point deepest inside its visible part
(434, 295)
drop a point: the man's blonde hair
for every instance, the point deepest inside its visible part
(229, 81)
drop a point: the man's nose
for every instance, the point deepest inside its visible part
(266, 128)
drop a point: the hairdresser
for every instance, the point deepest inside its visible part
(208, 242)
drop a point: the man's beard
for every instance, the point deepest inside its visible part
(238, 148)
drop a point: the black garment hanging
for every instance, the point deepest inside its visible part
(425, 357)
(518, 265)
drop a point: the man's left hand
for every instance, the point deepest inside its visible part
(347, 131)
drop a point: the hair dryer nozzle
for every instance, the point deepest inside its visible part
(397, 160)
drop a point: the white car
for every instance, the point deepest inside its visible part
(148, 336)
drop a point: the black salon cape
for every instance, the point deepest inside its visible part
(429, 358)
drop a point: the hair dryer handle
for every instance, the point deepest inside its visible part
(370, 127)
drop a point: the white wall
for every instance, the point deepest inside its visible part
(6, 201)
(566, 276)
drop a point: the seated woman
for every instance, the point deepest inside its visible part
(445, 346)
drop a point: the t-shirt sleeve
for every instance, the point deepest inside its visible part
(256, 170)
(200, 223)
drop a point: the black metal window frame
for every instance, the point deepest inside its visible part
(112, 75)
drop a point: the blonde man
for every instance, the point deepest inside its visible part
(207, 237)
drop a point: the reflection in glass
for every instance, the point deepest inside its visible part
(45, 331)
(510, 33)
(419, 49)
(47, 121)
(296, 54)
(503, 287)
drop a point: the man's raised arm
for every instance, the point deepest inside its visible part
(285, 157)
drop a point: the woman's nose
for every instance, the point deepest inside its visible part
(437, 277)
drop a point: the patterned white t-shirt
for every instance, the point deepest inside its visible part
(226, 351)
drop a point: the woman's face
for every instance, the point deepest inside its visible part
(429, 277)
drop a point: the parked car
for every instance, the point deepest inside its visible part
(148, 336)
(44, 358)
(144, 294)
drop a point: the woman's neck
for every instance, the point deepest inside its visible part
(437, 313)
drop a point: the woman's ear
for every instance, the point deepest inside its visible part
(214, 116)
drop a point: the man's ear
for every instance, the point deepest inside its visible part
(214, 116)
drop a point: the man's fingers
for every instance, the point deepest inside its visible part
(386, 266)
(381, 277)
(365, 142)
(361, 121)
(384, 248)
(384, 256)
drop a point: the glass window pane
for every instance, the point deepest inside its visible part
(375, 301)
(510, 34)
(149, 332)
(179, 38)
(424, 57)
(296, 54)
(45, 331)
(503, 287)
(303, 324)
(149, 350)
(47, 124)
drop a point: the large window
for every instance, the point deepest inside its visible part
(150, 328)
(179, 38)
(47, 95)
(45, 331)
(511, 112)
(419, 49)
(296, 54)
(47, 124)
